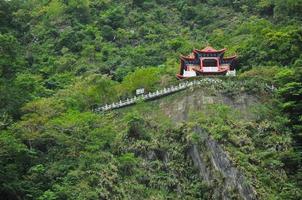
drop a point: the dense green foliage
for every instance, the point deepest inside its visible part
(59, 58)
(258, 146)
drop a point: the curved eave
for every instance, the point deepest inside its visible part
(230, 58)
(184, 58)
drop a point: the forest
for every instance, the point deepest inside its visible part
(61, 58)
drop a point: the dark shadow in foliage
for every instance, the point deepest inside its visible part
(136, 128)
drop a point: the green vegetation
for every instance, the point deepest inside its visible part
(259, 147)
(60, 58)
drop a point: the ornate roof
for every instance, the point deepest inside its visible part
(189, 57)
(206, 50)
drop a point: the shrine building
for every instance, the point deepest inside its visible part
(207, 61)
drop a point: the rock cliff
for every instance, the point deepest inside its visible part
(210, 157)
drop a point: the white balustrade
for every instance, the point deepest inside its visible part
(158, 93)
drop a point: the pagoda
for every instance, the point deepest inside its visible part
(207, 61)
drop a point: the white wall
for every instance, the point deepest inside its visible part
(210, 69)
(189, 73)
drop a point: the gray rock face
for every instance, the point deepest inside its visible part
(200, 162)
(178, 106)
(210, 158)
(214, 163)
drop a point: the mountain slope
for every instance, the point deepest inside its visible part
(61, 58)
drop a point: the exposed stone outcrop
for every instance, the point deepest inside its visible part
(210, 158)
(214, 163)
(178, 106)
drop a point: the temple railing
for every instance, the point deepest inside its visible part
(156, 94)
(163, 92)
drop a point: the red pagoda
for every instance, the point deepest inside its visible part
(207, 61)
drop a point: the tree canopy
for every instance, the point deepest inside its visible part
(61, 58)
